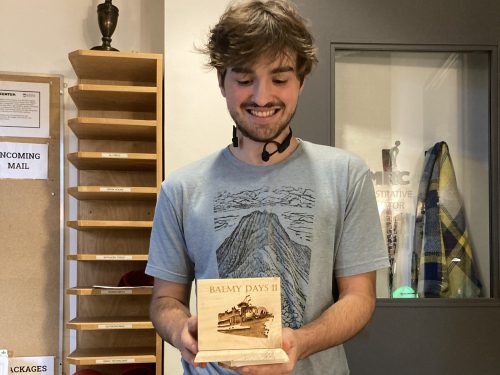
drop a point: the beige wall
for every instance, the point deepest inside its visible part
(196, 119)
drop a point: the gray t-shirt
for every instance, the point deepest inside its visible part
(307, 219)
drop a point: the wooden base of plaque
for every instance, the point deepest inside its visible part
(243, 357)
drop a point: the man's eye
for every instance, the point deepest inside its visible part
(244, 82)
(280, 81)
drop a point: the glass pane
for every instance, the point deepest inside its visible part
(420, 120)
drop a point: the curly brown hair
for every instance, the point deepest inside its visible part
(251, 29)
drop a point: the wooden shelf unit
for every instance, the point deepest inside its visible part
(118, 172)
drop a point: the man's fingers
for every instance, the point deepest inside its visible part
(188, 356)
(286, 345)
(192, 325)
(190, 339)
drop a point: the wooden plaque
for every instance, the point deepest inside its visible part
(239, 321)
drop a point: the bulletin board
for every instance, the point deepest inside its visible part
(30, 241)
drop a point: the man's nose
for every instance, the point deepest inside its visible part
(262, 93)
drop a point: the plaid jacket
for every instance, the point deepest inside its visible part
(442, 261)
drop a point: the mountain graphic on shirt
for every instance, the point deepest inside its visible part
(259, 246)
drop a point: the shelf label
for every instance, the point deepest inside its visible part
(114, 257)
(116, 291)
(115, 189)
(114, 326)
(114, 361)
(116, 155)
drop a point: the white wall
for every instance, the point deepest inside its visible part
(36, 35)
(196, 119)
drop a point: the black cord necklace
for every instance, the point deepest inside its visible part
(280, 147)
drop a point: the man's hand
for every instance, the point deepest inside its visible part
(290, 346)
(172, 319)
(187, 342)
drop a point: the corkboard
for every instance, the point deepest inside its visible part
(30, 245)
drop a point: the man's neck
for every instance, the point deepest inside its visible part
(250, 151)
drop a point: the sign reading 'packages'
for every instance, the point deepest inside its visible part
(31, 365)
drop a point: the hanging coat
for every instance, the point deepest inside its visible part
(442, 261)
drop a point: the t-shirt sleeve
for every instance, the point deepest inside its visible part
(168, 256)
(361, 247)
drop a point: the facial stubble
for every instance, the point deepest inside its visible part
(250, 134)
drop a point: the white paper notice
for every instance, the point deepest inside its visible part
(24, 109)
(24, 160)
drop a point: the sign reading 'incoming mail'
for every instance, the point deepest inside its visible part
(24, 160)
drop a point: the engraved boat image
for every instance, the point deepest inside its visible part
(245, 319)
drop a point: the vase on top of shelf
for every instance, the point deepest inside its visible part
(107, 16)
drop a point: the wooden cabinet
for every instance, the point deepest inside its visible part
(115, 168)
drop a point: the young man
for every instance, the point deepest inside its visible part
(269, 204)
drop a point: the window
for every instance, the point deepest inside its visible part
(392, 108)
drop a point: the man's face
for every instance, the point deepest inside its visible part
(262, 98)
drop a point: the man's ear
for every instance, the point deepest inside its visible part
(302, 83)
(220, 77)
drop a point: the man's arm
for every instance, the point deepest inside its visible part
(342, 320)
(336, 325)
(171, 318)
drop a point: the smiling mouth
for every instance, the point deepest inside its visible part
(263, 114)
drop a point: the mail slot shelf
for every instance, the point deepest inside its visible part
(113, 193)
(89, 160)
(115, 66)
(100, 356)
(113, 128)
(109, 224)
(108, 257)
(92, 291)
(106, 323)
(105, 97)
